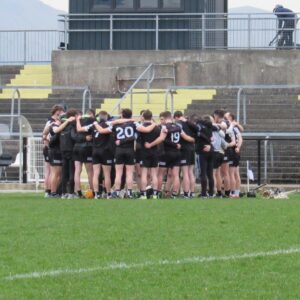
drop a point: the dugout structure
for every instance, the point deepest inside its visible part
(146, 24)
(19, 158)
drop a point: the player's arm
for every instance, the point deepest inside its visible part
(159, 140)
(79, 127)
(61, 127)
(102, 130)
(187, 138)
(239, 126)
(46, 131)
(239, 141)
(144, 129)
(121, 121)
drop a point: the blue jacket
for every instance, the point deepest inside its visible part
(286, 17)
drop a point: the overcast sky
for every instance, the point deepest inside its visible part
(264, 4)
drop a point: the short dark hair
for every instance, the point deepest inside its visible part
(167, 115)
(220, 113)
(55, 109)
(206, 118)
(102, 116)
(126, 113)
(178, 114)
(91, 111)
(142, 112)
(72, 112)
(147, 114)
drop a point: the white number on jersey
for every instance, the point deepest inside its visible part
(123, 133)
(175, 137)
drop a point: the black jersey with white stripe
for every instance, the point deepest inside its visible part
(149, 137)
(101, 140)
(173, 137)
(126, 134)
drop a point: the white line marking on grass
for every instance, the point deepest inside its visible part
(166, 262)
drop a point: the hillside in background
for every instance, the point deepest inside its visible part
(248, 10)
(27, 14)
(262, 27)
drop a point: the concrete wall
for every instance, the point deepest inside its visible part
(99, 69)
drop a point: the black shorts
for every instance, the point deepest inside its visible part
(46, 154)
(234, 160)
(103, 157)
(55, 157)
(149, 159)
(170, 159)
(187, 157)
(218, 160)
(227, 155)
(125, 156)
(138, 156)
(83, 154)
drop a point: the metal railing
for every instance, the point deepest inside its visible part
(196, 30)
(16, 94)
(158, 31)
(273, 157)
(144, 75)
(241, 90)
(29, 46)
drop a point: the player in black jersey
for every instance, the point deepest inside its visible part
(66, 148)
(149, 157)
(205, 151)
(82, 153)
(234, 160)
(55, 153)
(219, 119)
(170, 159)
(138, 153)
(187, 155)
(125, 135)
(102, 154)
(55, 113)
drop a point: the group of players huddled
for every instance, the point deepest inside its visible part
(159, 157)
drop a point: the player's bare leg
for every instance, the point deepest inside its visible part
(185, 180)
(96, 173)
(129, 179)
(89, 171)
(161, 174)
(226, 178)
(78, 170)
(192, 180)
(118, 179)
(55, 178)
(107, 180)
(176, 180)
(47, 182)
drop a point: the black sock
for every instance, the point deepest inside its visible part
(186, 194)
(129, 192)
(227, 193)
(109, 194)
(174, 194)
(48, 191)
(143, 193)
(219, 193)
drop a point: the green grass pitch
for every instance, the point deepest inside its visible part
(82, 240)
